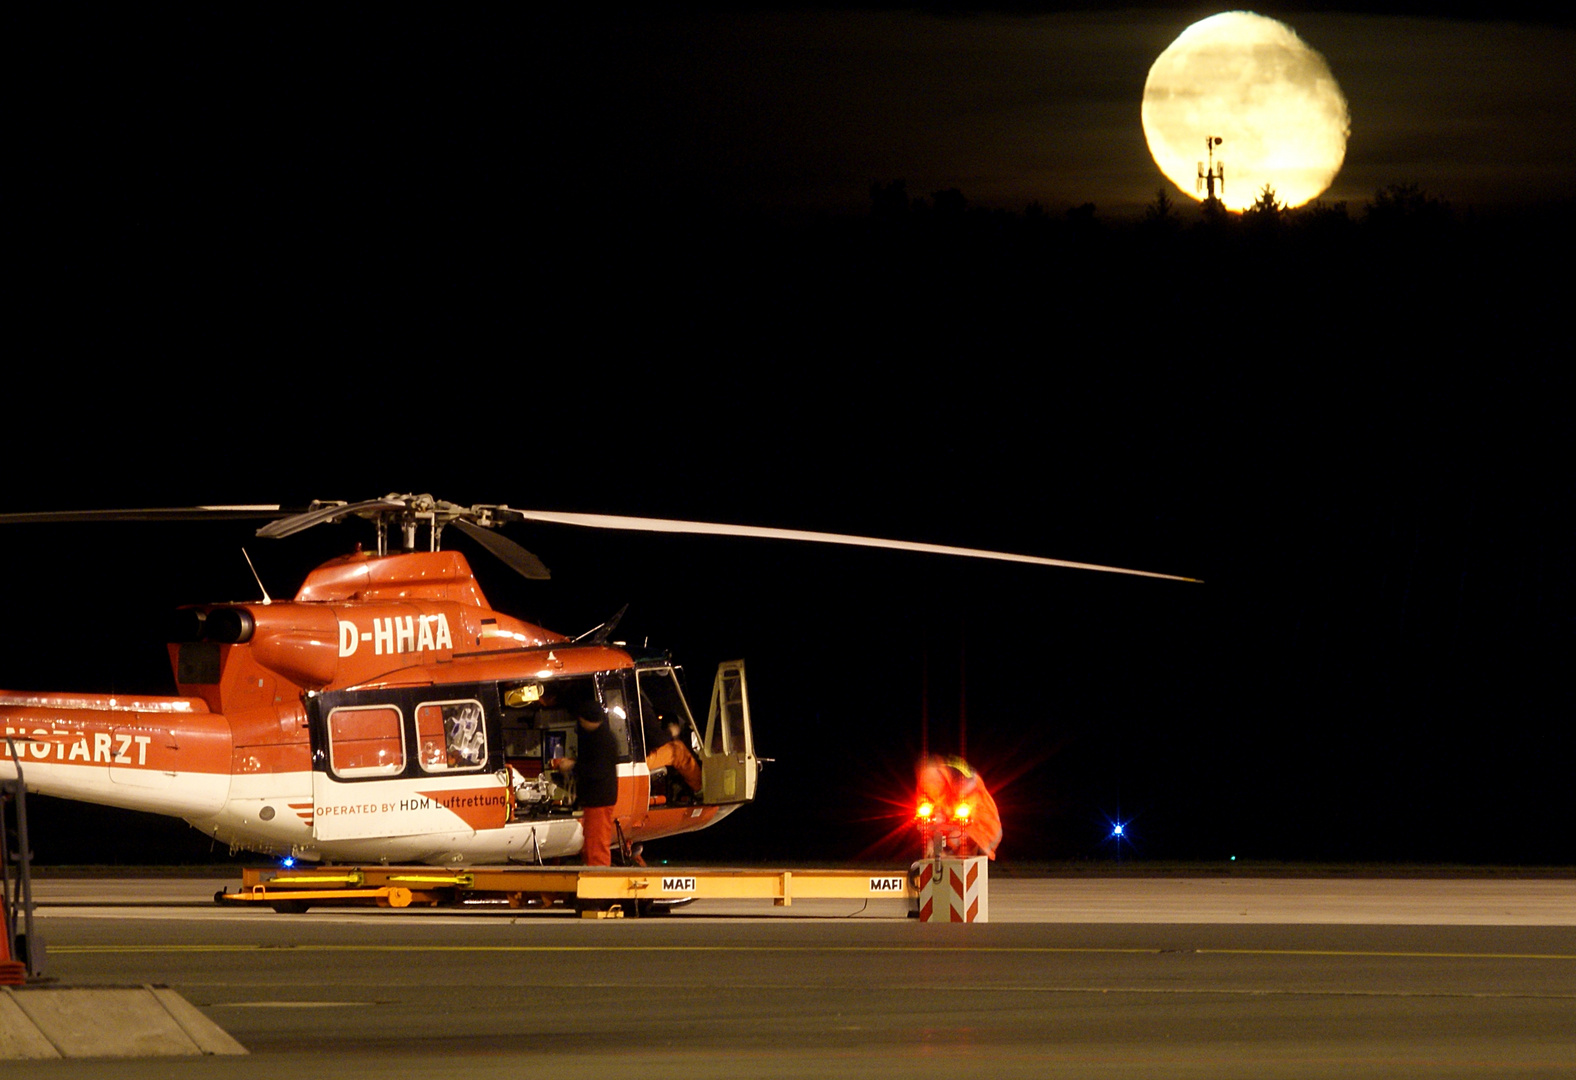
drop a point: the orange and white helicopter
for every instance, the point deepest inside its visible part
(388, 713)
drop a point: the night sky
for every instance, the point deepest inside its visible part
(632, 264)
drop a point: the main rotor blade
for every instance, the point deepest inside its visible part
(516, 557)
(664, 525)
(156, 513)
(289, 526)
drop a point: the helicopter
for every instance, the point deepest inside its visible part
(387, 713)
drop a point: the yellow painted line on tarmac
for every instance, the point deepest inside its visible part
(964, 950)
(1015, 988)
(1403, 954)
(252, 947)
(289, 1004)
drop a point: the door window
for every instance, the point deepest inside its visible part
(730, 766)
(727, 726)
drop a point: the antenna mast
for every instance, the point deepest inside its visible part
(1213, 173)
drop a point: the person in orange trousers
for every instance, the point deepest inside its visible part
(676, 754)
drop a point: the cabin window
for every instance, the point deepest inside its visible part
(366, 741)
(450, 736)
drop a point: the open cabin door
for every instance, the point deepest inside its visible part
(728, 763)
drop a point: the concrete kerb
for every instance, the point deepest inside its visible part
(109, 1022)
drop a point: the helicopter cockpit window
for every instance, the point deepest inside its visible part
(450, 736)
(366, 741)
(662, 701)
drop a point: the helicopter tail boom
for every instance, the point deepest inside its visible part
(161, 755)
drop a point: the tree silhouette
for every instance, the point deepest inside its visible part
(1322, 215)
(1407, 206)
(1267, 213)
(1216, 216)
(1162, 212)
(1266, 204)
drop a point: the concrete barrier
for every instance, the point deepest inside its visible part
(109, 1022)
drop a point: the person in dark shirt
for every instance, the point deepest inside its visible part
(596, 780)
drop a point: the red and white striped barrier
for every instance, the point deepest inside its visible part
(954, 890)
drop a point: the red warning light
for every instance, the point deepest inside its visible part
(956, 812)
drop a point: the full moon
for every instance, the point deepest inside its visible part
(1252, 83)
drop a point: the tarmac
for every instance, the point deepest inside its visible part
(1073, 977)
